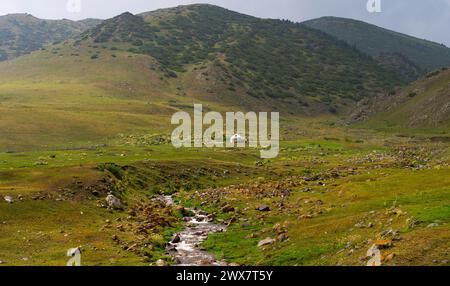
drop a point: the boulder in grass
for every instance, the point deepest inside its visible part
(9, 199)
(383, 243)
(263, 208)
(161, 263)
(267, 241)
(113, 202)
(176, 239)
(227, 209)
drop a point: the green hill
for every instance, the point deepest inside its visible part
(130, 73)
(264, 58)
(21, 34)
(401, 53)
(423, 104)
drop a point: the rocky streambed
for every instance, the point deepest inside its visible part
(185, 247)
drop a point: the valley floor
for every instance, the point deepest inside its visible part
(331, 194)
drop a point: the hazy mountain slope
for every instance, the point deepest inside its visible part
(22, 33)
(425, 103)
(405, 54)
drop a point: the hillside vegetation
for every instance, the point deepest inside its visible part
(264, 58)
(21, 34)
(423, 104)
(401, 53)
(130, 73)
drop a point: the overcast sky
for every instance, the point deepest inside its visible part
(428, 19)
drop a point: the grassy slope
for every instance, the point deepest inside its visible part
(383, 177)
(422, 105)
(85, 91)
(63, 99)
(426, 56)
(375, 181)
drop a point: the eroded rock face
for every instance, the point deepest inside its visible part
(113, 202)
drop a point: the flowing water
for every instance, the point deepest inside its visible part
(185, 248)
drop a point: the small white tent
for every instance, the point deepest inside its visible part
(236, 138)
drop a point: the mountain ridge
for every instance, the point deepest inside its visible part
(22, 33)
(239, 44)
(403, 53)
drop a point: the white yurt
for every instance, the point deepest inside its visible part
(236, 138)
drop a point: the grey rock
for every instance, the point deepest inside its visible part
(176, 239)
(433, 225)
(113, 202)
(161, 263)
(267, 241)
(263, 208)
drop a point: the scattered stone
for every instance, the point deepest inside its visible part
(412, 223)
(9, 199)
(72, 251)
(383, 243)
(375, 256)
(267, 241)
(396, 211)
(227, 209)
(113, 202)
(252, 235)
(176, 239)
(161, 263)
(132, 247)
(375, 261)
(389, 257)
(263, 208)
(246, 225)
(302, 217)
(372, 251)
(433, 225)
(283, 237)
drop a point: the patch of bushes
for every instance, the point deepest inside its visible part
(114, 169)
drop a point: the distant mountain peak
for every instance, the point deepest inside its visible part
(125, 27)
(125, 15)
